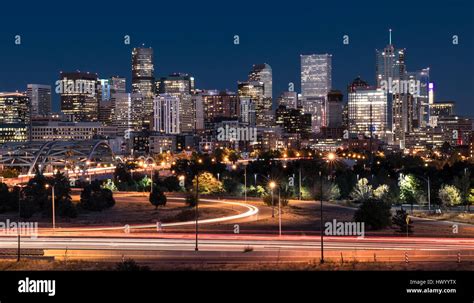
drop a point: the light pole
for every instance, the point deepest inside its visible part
(151, 177)
(330, 159)
(19, 216)
(52, 199)
(299, 184)
(279, 212)
(88, 163)
(429, 195)
(272, 186)
(321, 217)
(245, 182)
(196, 248)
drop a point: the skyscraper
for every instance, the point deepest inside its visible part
(390, 73)
(109, 91)
(390, 64)
(14, 117)
(247, 111)
(263, 105)
(176, 83)
(420, 80)
(293, 121)
(334, 108)
(198, 112)
(218, 105)
(369, 112)
(316, 75)
(117, 84)
(143, 82)
(182, 86)
(40, 99)
(78, 91)
(122, 113)
(316, 82)
(288, 99)
(263, 73)
(166, 114)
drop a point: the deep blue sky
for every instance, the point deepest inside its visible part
(197, 37)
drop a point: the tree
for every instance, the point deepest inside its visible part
(330, 191)
(400, 220)
(449, 195)
(232, 186)
(10, 173)
(96, 198)
(256, 191)
(4, 198)
(62, 197)
(123, 177)
(375, 214)
(190, 199)
(409, 189)
(346, 180)
(267, 199)
(130, 265)
(463, 183)
(470, 199)
(35, 196)
(109, 184)
(15, 198)
(381, 192)
(157, 197)
(171, 183)
(208, 184)
(362, 191)
(144, 184)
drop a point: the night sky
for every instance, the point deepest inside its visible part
(197, 38)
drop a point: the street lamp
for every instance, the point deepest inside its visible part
(245, 181)
(88, 163)
(52, 198)
(330, 159)
(321, 217)
(279, 212)
(272, 186)
(196, 248)
(151, 176)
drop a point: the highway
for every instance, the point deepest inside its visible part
(243, 248)
(111, 244)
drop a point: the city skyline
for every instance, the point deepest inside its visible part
(217, 63)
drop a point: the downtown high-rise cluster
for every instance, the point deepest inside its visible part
(170, 113)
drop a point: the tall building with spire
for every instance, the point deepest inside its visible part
(390, 63)
(143, 82)
(390, 73)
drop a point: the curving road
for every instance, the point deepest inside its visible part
(251, 211)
